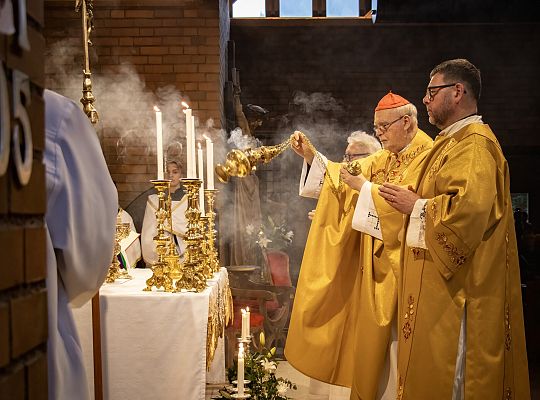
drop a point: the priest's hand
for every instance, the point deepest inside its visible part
(300, 146)
(311, 214)
(355, 182)
(400, 198)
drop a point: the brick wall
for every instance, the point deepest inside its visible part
(356, 63)
(23, 299)
(145, 52)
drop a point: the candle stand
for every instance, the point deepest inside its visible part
(161, 268)
(192, 278)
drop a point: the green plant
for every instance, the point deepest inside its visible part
(259, 369)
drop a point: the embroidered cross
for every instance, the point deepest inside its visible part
(376, 224)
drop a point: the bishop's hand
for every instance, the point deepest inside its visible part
(301, 147)
(402, 199)
(355, 182)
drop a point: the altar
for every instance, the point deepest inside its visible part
(157, 345)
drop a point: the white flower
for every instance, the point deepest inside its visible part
(282, 388)
(289, 235)
(263, 241)
(249, 229)
(268, 366)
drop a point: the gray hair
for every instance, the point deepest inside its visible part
(410, 110)
(366, 139)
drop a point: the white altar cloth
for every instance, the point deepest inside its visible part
(153, 343)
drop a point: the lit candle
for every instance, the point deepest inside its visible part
(201, 177)
(248, 321)
(159, 143)
(244, 324)
(209, 164)
(240, 379)
(193, 155)
(190, 173)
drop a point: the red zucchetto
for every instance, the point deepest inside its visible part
(391, 100)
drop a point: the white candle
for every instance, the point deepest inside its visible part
(244, 324)
(240, 379)
(193, 154)
(209, 164)
(190, 173)
(201, 177)
(159, 143)
(248, 322)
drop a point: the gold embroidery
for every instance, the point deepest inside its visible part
(395, 169)
(507, 330)
(400, 390)
(437, 164)
(433, 209)
(456, 256)
(508, 394)
(417, 252)
(409, 316)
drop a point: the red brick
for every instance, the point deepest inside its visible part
(154, 50)
(139, 14)
(185, 68)
(35, 262)
(124, 51)
(176, 50)
(213, 68)
(12, 250)
(168, 31)
(124, 32)
(191, 13)
(108, 41)
(12, 385)
(155, 60)
(36, 375)
(146, 32)
(4, 334)
(26, 311)
(158, 69)
(135, 60)
(125, 41)
(168, 13)
(201, 59)
(117, 13)
(176, 40)
(208, 50)
(147, 41)
(209, 105)
(176, 59)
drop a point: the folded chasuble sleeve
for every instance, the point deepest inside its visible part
(312, 177)
(458, 219)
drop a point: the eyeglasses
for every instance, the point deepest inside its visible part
(352, 157)
(384, 127)
(432, 91)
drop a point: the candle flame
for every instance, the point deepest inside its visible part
(247, 309)
(156, 109)
(199, 145)
(206, 137)
(185, 105)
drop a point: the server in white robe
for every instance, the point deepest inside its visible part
(179, 223)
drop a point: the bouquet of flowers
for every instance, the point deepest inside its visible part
(271, 234)
(259, 369)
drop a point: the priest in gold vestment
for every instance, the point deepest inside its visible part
(345, 304)
(461, 332)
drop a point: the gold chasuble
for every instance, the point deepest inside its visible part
(469, 275)
(347, 289)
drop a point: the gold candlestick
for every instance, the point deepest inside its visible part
(210, 195)
(205, 254)
(161, 269)
(192, 278)
(122, 232)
